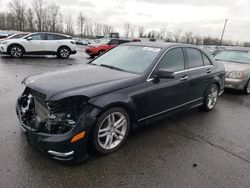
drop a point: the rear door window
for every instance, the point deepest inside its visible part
(194, 58)
(206, 61)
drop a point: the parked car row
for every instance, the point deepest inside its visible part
(42, 43)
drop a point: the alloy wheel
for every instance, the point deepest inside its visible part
(212, 97)
(16, 51)
(64, 53)
(112, 130)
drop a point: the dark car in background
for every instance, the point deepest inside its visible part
(104, 45)
(237, 64)
(65, 112)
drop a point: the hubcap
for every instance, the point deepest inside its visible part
(212, 97)
(112, 130)
(64, 53)
(16, 52)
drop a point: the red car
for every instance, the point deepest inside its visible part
(103, 45)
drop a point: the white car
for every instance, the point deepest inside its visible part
(40, 44)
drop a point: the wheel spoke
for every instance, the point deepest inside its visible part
(120, 122)
(103, 134)
(117, 137)
(119, 132)
(106, 141)
(110, 141)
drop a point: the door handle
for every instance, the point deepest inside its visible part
(209, 71)
(184, 78)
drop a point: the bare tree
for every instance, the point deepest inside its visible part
(132, 31)
(127, 29)
(53, 16)
(188, 37)
(177, 35)
(39, 9)
(30, 20)
(69, 25)
(81, 20)
(141, 31)
(17, 8)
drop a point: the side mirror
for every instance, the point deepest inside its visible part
(29, 38)
(165, 73)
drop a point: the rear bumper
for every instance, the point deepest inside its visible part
(235, 83)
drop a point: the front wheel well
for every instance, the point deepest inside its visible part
(15, 44)
(130, 112)
(63, 46)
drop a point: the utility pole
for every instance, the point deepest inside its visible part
(225, 24)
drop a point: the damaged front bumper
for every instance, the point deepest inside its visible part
(59, 146)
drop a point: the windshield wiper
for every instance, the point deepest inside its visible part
(112, 67)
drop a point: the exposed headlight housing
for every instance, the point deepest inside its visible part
(63, 114)
(236, 75)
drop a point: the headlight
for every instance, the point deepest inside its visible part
(4, 42)
(236, 75)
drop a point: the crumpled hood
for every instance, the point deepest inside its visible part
(88, 80)
(230, 66)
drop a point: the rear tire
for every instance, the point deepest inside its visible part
(63, 53)
(16, 51)
(111, 130)
(211, 97)
(247, 88)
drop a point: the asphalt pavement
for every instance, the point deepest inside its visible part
(191, 149)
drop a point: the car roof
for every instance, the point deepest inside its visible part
(163, 45)
(51, 33)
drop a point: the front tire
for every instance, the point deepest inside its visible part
(16, 51)
(211, 97)
(63, 53)
(111, 130)
(247, 88)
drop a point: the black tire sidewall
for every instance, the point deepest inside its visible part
(205, 103)
(245, 89)
(96, 145)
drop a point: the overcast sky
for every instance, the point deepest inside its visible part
(205, 17)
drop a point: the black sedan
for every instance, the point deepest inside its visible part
(131, 85)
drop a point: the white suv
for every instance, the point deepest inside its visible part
(40, 44)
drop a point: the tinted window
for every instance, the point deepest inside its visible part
(56, 37)
(173, 60)
(206, 60)
(38, 36)
(194, 58)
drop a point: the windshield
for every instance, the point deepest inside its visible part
(234, 56)
(134, 59)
